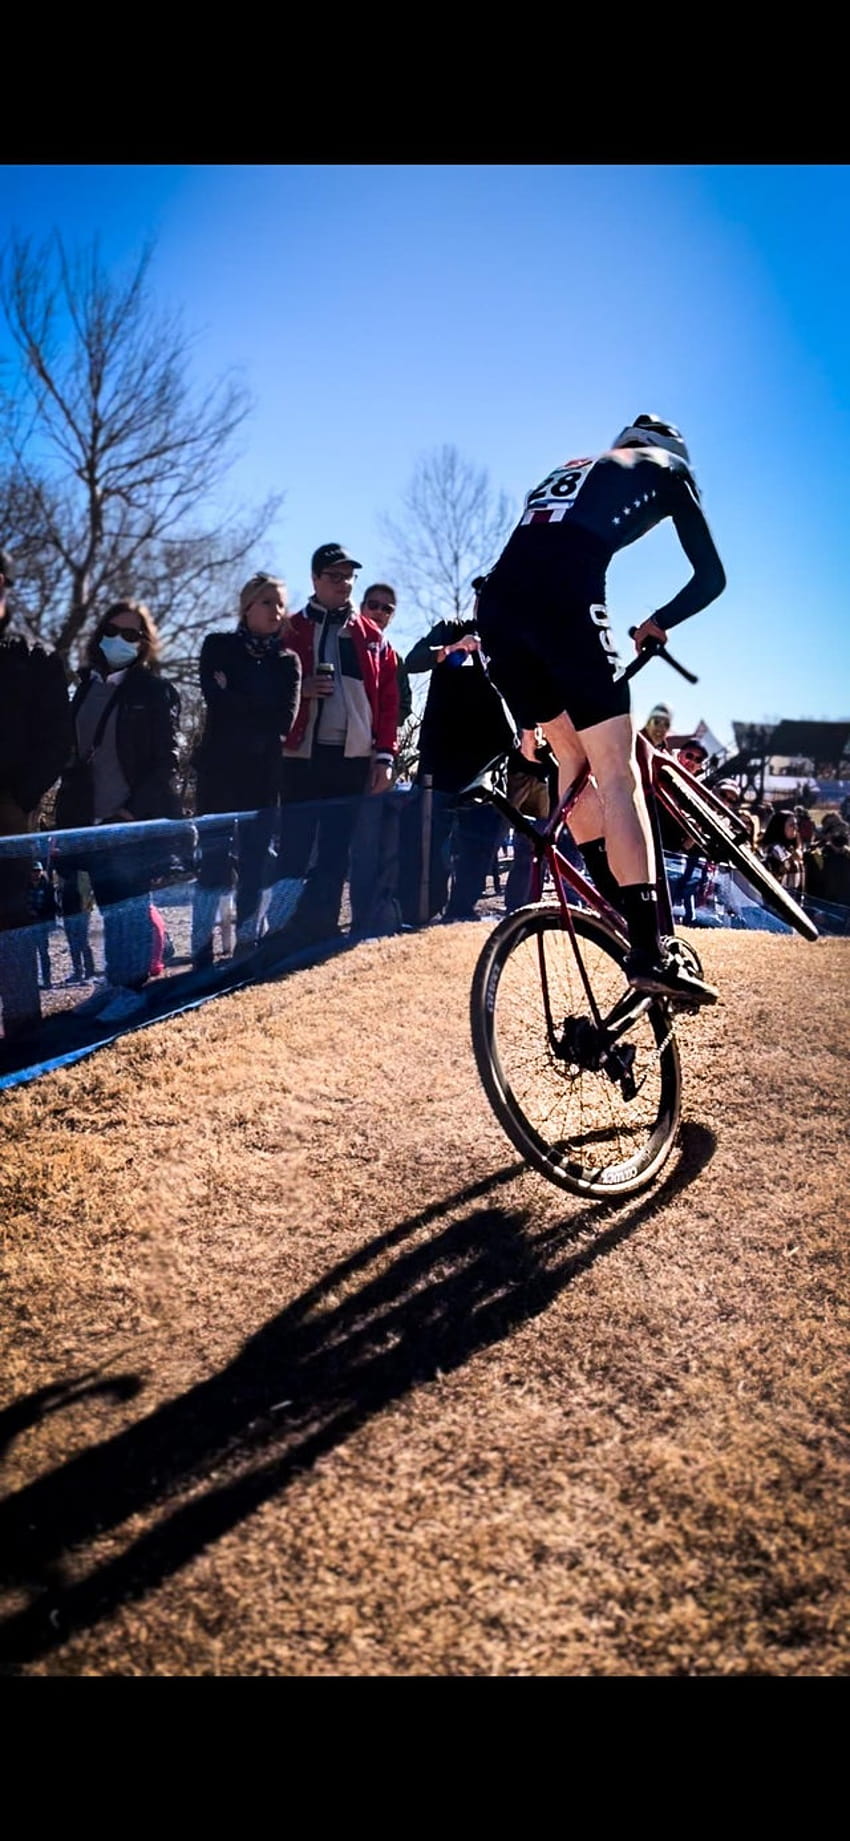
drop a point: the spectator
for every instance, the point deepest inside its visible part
(124, 770)
(730, 792)
(35, 742)
(835, 866)
(747, 811)
(342, 745)
(251, 684)
(692, 756)
(781, 850)
(226, 921)
(465, 725)
(43, 910)
(375, 840)
(689, 888)
(657, 725)
(827, 863)
(76, 902)
(379, 604)
(533, 789)
(162, 946)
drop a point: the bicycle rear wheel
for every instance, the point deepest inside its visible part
(720, 839)
(595, 1122)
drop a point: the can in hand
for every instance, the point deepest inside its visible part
(325, 670)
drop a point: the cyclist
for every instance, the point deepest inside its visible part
(544, 627)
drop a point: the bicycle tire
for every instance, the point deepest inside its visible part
(570, 1122)
(721, 842)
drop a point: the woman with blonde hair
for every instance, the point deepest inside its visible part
(251, 685)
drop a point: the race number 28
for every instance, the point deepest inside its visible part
(556, 492)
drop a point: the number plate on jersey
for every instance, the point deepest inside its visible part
(556, 494)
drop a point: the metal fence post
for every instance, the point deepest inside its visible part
(427, 785)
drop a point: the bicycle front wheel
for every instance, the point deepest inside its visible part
(597, 1112)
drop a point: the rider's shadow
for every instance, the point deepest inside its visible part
(378, 1325)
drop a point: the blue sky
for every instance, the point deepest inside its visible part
(523, 314)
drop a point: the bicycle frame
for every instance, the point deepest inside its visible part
(563, 1078)
(660, 773)
(564, 875)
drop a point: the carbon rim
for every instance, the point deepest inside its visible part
(576, 1123)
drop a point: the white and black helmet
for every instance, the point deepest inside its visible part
(652, 431)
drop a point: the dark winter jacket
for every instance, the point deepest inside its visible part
(828, 873)
(36, 735)
(465, 724)
(147, 712)
(247, 720)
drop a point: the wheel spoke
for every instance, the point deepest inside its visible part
(593, 1124)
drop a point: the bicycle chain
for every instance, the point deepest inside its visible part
(657, 1054)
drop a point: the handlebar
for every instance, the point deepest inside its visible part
(656, 648)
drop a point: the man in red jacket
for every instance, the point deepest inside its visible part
(342, 743)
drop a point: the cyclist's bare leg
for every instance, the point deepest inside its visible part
(586, 817)
(616, 811)
(610, 749)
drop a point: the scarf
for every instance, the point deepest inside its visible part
(258, 646)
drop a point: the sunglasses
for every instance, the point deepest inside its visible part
(381, 607)
(697, 758)
(339, 575)
(123, 632)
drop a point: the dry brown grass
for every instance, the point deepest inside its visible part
(305, 1376)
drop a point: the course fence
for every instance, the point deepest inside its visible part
(157, 916)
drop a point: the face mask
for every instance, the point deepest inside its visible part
(118, 652)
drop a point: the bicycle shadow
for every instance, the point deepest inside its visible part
(57, 1394)
(304, 1383)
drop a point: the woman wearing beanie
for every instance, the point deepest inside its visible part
(657, 725)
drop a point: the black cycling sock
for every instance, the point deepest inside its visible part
(640, 907)
(601, 873)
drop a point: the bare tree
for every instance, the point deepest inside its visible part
(112, 462)
(452, 529)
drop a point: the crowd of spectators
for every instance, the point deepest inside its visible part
(302, 714)
(810, 860)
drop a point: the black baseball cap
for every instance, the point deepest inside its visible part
(7, 566)
(330, 555)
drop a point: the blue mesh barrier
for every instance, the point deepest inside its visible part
(158, 916)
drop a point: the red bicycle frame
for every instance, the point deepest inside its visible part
(548, 856)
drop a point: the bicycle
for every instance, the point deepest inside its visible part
(582, 1071)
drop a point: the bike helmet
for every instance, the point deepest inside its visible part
(651, 431)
